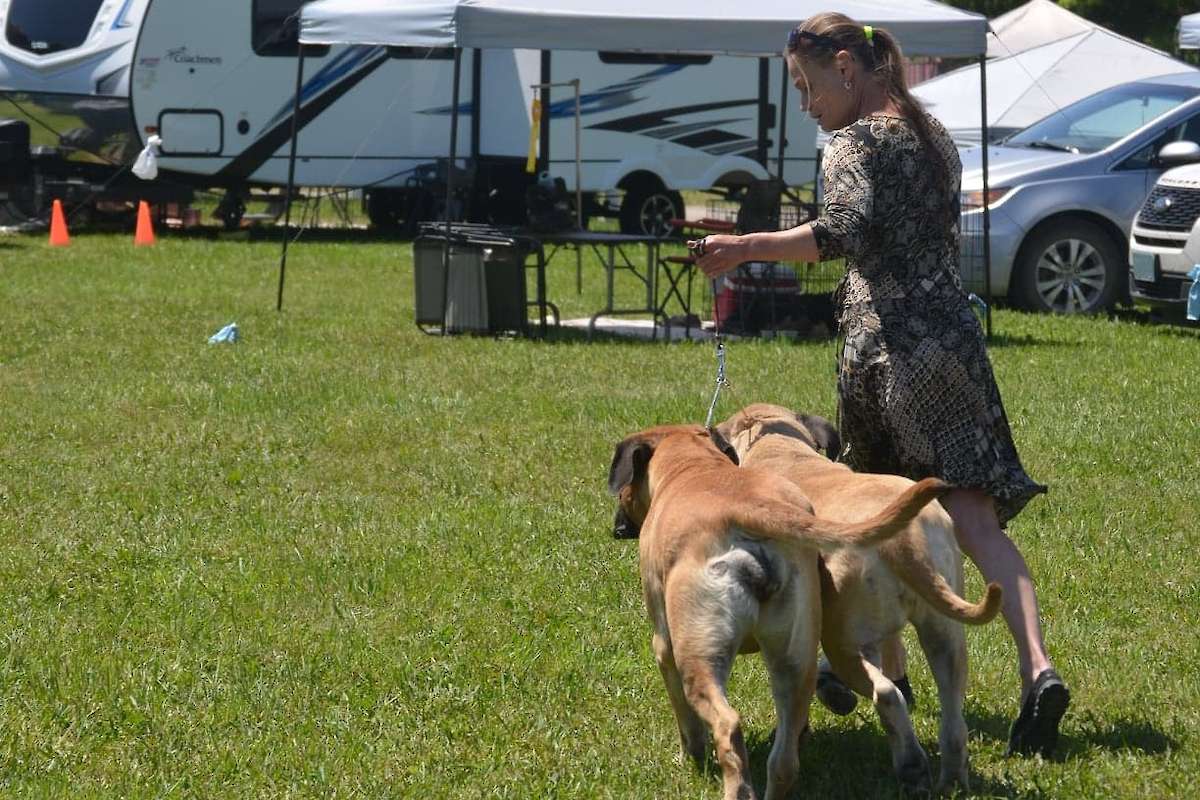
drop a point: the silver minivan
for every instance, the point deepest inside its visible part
(1063, 194)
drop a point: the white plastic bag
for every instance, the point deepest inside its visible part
(146, 166)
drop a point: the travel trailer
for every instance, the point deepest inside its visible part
(64, 72)
(218, 82)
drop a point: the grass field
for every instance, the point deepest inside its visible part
(344, 559)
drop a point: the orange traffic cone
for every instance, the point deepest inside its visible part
(58, 226)
(145, 229)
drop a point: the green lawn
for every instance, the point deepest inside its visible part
(344, 559)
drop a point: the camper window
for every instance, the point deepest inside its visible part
(609, 57)
(275, 28)
(50, 26)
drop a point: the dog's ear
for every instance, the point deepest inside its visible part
(628, 464)
(823, 433)
(723, 445)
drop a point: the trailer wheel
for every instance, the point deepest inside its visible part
(648, 211)
(230, 211)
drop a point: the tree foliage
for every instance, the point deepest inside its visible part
(1149, 21)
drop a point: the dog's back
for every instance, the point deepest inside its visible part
(922, 563)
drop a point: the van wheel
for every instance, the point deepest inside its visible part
(648, 211)
(1068, 268)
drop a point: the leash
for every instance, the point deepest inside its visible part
(722, 381)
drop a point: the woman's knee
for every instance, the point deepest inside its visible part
(975, 522)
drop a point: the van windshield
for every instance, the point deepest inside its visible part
(1093, 123)
(49, 26)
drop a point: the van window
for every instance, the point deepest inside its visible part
(275, 28)
(608, 57)
(1144, 157)
(50, 26)
(1095, 122)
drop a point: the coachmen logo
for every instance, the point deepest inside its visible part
(1163, 203)
(180, 55)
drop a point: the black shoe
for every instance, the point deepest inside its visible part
(835, 695)
(905, 688)
(1036, 729)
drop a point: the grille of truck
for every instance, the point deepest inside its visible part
(1170, 209)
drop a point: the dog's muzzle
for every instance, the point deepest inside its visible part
(624, 527)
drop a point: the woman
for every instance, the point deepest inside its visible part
(916, 392)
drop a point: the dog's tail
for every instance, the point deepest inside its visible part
(914, 568)
(787, 523)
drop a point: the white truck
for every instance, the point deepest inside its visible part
(217, 80)
(1165, 239)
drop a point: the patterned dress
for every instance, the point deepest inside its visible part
(916, 392)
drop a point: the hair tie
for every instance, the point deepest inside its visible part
(869, 32)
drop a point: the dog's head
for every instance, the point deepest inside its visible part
(628, 476)
(753, 422)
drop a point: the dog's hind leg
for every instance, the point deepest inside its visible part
(788, 630)
(704, 684)
(693, 737)
(908, 757)
(793, 683)
(709, 616)
(862, 673)
(945, 649)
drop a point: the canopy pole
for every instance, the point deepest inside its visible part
(764, 90)
(987, 217)
(544, 132)
(783, 98)
(450, 181)
(291, 182)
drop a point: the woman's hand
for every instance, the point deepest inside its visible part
(719, 253)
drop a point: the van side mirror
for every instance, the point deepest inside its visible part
(1176, 154)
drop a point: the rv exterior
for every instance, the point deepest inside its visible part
(64, 71)
(218, 79)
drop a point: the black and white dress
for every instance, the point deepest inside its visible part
(916, 392)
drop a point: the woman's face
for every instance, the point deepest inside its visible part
(823, 90)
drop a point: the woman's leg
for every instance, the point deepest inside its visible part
(985, 543)
(1044, 697)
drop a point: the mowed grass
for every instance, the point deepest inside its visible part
(342, 558)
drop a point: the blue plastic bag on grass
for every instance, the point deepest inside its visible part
(227, 334)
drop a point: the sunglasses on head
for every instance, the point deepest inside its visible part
(796, 36)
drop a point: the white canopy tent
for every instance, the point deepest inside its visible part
(1038, 74)
(1189, 32)
(756, 28)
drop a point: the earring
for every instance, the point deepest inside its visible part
(847, 86)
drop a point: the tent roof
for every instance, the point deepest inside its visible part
(1189, 32)
(1034, 24)
(1039, 80)
(756, 28)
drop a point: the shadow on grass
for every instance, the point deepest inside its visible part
(1082, 734)
(1170, 321)
(836, 763)
(1001, 339)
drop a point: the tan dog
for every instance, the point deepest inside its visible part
(868, 596)
(728, 565)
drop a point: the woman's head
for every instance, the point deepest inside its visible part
(834, 61)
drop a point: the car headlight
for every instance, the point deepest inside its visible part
(973, 200)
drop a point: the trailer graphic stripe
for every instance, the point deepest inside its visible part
(249, 160)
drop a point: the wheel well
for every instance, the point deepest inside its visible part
(1115, 235)
(642, 179)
